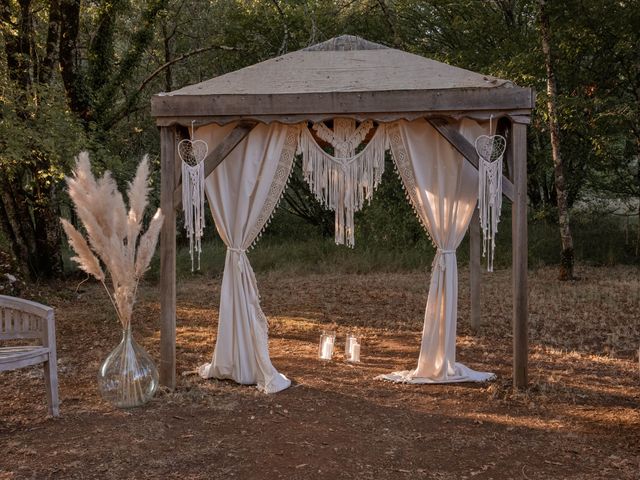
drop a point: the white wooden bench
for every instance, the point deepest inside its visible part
(23, 319)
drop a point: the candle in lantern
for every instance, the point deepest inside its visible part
(352, 349)
(348, 346)
(326, 345)
(355, 351)
(326, 349)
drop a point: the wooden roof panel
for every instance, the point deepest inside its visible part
(342, 71)
(343, 75)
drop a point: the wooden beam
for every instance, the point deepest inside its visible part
(341, 103)
(522, 116)
(520, 253)
(168, 258)
(218, 154)
(468, 151)
(475, 252)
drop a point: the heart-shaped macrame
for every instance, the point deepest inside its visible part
(192, 152)
(491, 147)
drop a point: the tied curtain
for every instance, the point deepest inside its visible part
(243, 192)
(443, 189)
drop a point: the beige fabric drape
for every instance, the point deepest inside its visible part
(443, 189)
(243, 191)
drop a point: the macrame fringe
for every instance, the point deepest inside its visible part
(489, 205)
(343, 185)
(193, 206)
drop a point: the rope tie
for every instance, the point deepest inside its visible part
(239, 251)
(438, 261)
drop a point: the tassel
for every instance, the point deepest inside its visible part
(193, 206)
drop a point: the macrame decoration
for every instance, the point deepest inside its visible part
(490, 149)
(192, 153)
(345, 181)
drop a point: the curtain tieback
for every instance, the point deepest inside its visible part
(256, 301)
(438, 261)
(239, 251)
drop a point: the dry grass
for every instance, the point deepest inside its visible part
(580, 418)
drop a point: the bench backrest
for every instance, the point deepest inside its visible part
(21, 318)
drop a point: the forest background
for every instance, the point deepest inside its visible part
(78, 75)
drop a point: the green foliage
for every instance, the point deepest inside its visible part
(388, 221)
(600, 242)
(127, 51)
(41, 128)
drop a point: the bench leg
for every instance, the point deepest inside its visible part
(51, 384)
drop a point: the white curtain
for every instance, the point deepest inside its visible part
(443, 189)
(243, 191)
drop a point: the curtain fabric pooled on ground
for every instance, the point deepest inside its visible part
(443, 190)
(243, 192)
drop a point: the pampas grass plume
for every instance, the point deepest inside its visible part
(148, 244)
(112, 232)
(84, 256)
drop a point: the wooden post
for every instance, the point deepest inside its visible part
(519, 245)
(168, 258)
(475, 252)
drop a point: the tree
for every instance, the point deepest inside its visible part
(610, 43)
(566, 256)
(33, 138)
(39, 134)
(78, 75)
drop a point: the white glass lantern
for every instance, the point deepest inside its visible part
(352, 349)
(327, 341)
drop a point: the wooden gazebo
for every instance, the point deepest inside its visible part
(349, 77)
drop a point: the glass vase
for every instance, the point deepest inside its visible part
(128, 377)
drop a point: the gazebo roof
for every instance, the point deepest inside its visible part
(344, 75)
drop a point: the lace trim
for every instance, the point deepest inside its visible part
(404, 170)
(278, 185)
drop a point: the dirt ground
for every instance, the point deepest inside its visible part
(580, 418)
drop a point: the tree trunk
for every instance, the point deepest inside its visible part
(15, 225)
(638, 185)
(48, 231)
(566, 260)
(71, 76)
(168, 54)
(53, 39)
